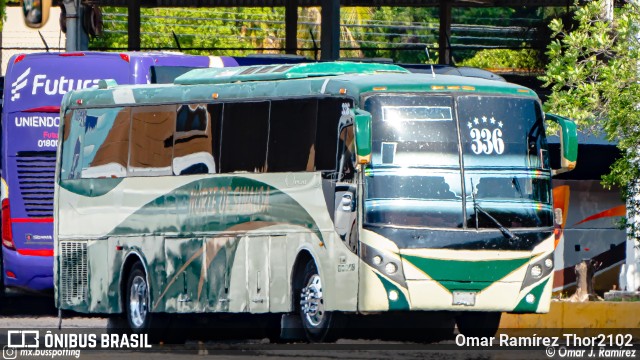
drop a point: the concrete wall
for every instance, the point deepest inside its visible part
(15, 34)
(587, 315)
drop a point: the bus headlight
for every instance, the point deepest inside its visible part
(530, 298)
(391, 268)
(384, 263)
(393, 295)
(536, 271)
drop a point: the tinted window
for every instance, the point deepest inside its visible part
(292, 132)
(244, 137)
(215, 113)
(414, 130)
(152, 140)
(106, 143)
(502, 131)
(329, 113)
(515, 199)
(193, 144)
(72, 144)
(346, 155)
(420, 198)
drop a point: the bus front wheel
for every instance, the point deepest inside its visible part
(478, 324)
(319, 325)
(137, 300)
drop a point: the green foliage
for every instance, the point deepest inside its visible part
(593, 75)
(3, 12)
(398, 33)
(197, 29)
(402, 33)
(524, 59)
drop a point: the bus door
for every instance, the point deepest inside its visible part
(345, 191)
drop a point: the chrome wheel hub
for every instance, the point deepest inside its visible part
(138, 301)
(311, 301)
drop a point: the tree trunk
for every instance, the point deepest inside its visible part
(584, 282)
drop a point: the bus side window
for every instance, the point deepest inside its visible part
(106, 143)
(72, 139)
(346, 155)
(193, 145)
(215, 113)
(152, 129)
(292, 133)
(245, 128)
(329, 113)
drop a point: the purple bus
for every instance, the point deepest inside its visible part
(35, 84)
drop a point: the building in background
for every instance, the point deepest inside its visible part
(18, 38)
(592, 226)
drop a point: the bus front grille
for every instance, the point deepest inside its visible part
(36, 171)
(73, 272)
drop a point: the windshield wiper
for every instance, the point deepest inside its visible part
(508, 234)
(477, 208)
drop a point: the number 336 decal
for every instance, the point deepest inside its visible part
(486, 138)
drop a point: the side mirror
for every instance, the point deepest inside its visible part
(568, 143)
(362, 127)
(35, 12)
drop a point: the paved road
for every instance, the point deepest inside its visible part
(19, 312)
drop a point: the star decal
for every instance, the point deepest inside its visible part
(500, 123)
(493, 120)
(475, 121)
(469, 124)
(484, 119)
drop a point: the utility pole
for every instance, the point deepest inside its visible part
(77, 38)
(330, 30)
(133, 25)
(444, 45)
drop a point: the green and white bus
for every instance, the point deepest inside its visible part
(307, 190)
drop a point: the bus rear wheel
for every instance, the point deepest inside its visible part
(137, 300)
(478, 324)
(319, 325)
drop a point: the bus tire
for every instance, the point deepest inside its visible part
(137, 301)
(478, 324)
(319, 325)
(117, 324)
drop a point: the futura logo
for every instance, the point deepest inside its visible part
(20, 83)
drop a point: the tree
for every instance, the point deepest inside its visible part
(593, 74)
(198, 29)
(3, 12)
(524, 59)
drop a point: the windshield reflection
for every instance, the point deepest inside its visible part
(415, 178)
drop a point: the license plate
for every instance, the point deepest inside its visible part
(464, 298)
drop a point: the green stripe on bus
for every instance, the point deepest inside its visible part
(90, 187)
(217, 204)
(401, 302)
(478, 274)
(525, 307)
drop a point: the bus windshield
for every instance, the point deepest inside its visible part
(438, 159)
